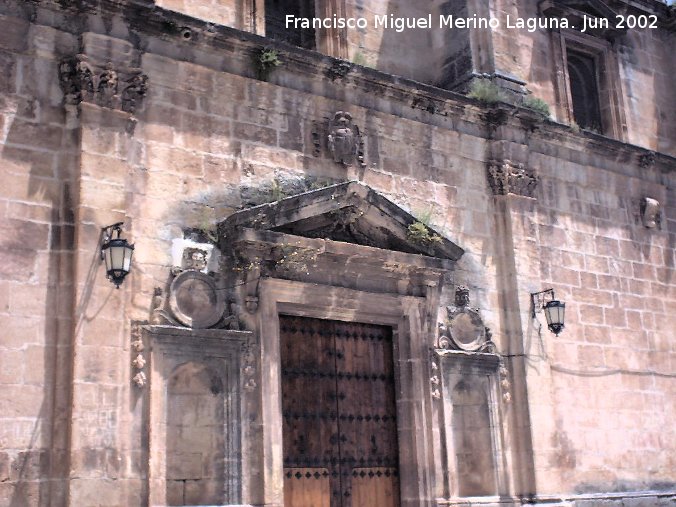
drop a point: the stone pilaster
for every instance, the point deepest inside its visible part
(102, 92)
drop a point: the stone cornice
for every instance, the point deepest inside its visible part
(157, 30)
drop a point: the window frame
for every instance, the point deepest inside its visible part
(328, 41)
(613, 120)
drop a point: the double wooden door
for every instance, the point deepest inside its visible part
(338, 404)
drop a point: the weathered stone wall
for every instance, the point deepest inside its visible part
(206, 138)
(39, 158)
(448, 57)
(605, 384)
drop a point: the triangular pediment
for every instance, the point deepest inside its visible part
(348, 212)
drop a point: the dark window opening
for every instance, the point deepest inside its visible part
(275, 21)
(584, 91)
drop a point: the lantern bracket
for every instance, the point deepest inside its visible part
(107, 234)
(539, 299)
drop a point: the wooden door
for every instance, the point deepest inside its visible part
(338, 404)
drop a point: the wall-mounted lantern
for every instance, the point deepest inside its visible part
(116, 252)
(555, 310)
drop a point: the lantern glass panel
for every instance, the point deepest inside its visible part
(117, 257)
(555, 314)
(107, 258)
(128, 252)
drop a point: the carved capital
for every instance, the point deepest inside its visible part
(81, 81)
(506, 177)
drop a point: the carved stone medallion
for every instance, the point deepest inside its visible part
(464, 329)
(195, 300)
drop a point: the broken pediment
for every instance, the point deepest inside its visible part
(347, 212)
(575, 11)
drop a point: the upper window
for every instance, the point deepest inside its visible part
(584, 91)
(275, 21)
(586, 69)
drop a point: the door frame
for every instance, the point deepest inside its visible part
(408, 318)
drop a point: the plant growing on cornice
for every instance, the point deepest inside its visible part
(419, 234)
(538, 105)
(425, 217)
(265, 60)
(574, 127)
(485, 91)
(277, 193)
(360, 59)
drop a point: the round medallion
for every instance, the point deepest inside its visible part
(467, 330)
(195, 300)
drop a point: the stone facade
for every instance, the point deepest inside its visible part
(135, 111)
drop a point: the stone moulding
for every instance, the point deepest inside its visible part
(229, 353)
(348, 212)
(506, 177)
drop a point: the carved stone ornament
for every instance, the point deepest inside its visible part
(195, 258)
(251, 304)
(195, 300)
(77, 80)
(647, 160)
(82, 82)
(435, 382)
(158, 313)
(140, 379)
(344, 138)
(506, 177)
(137, 344)
(316, 136)
(464, 329)
(139, 362)
(107, 87)
(136, 88)
(339, 69)
(505, 384)
(248, 361)
(650, 212)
